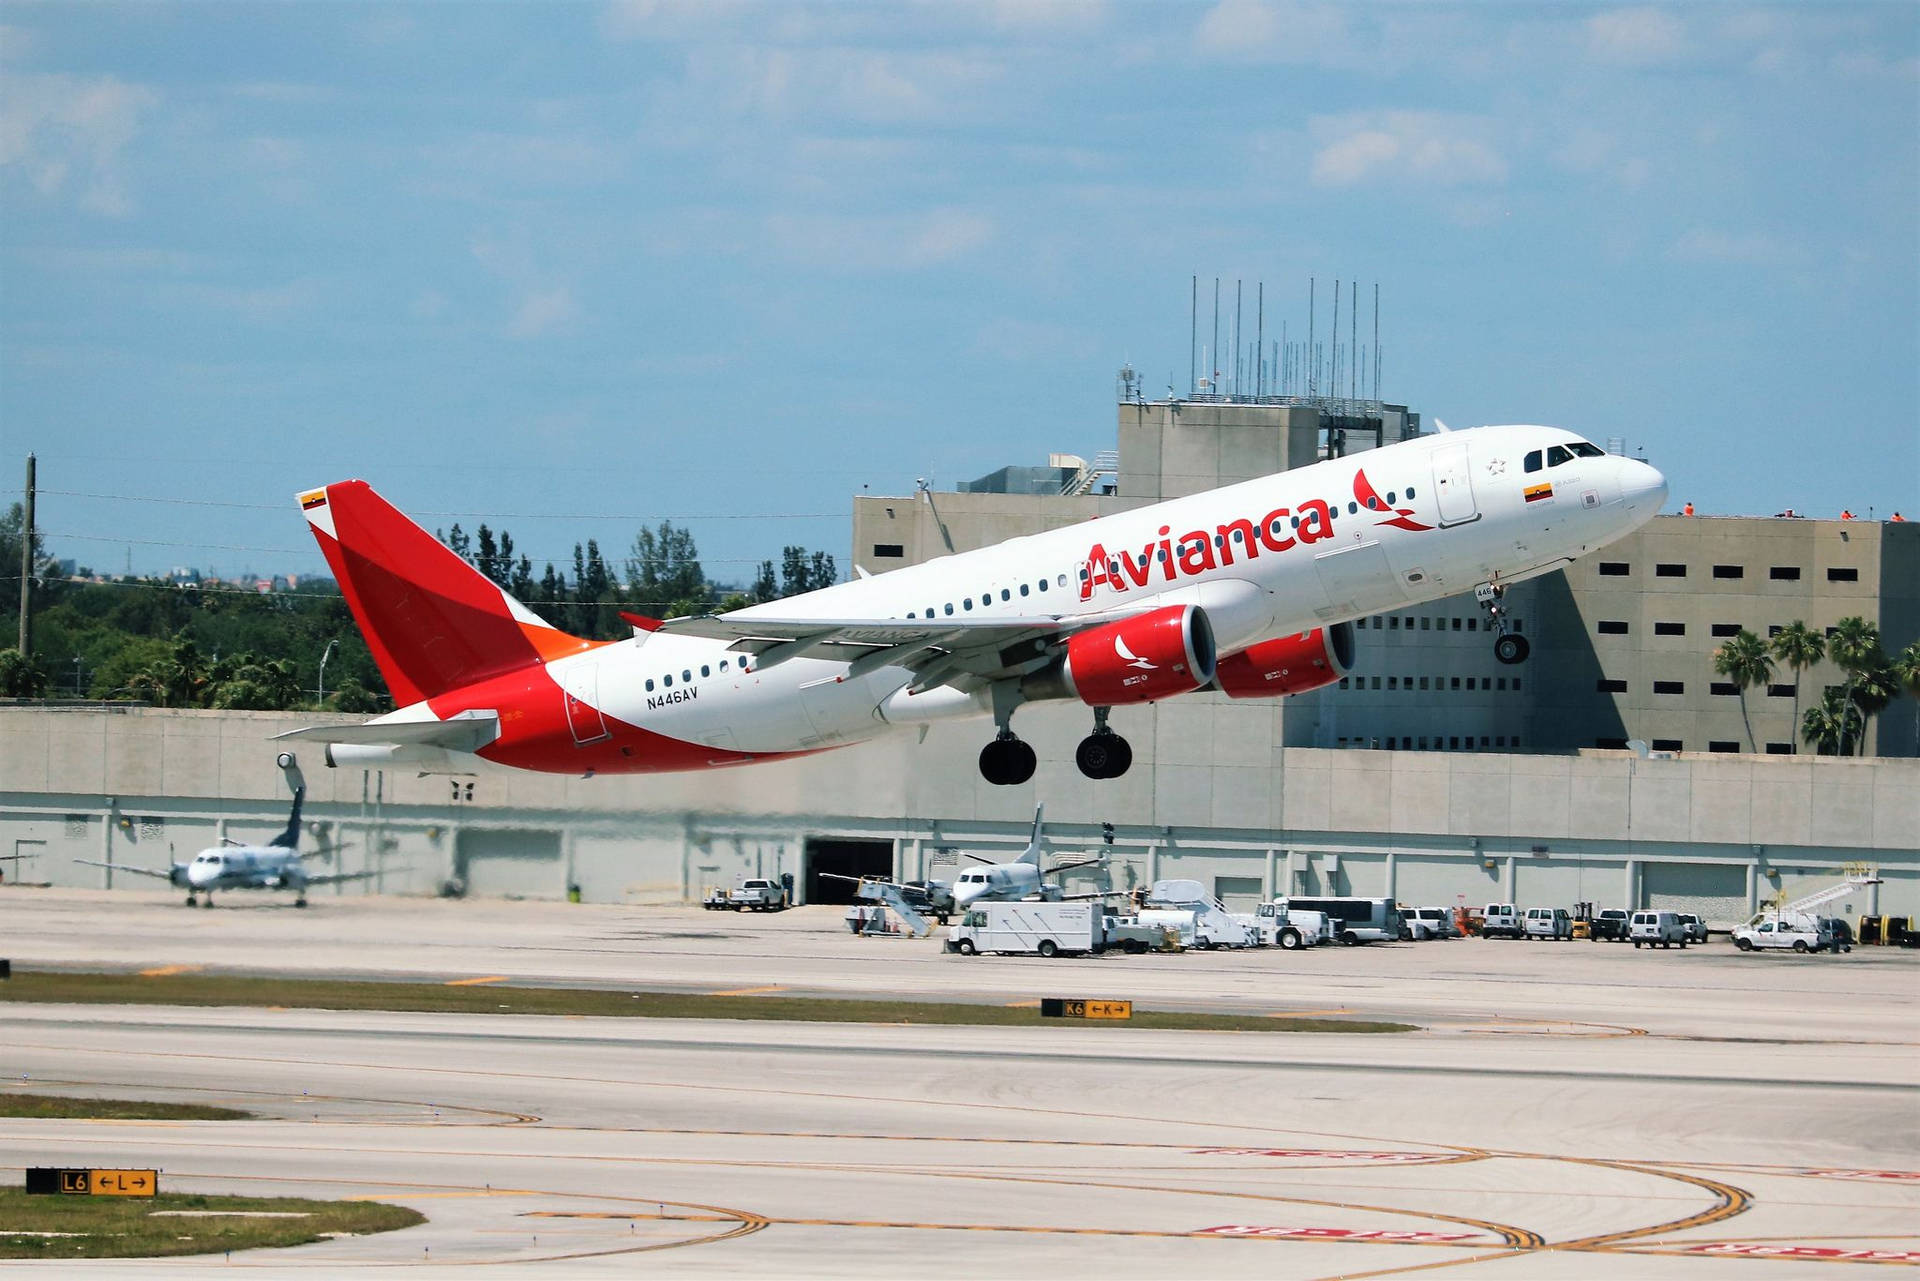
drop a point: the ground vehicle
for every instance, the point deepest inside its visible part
(1501, 920)
(1427, 923)
(1611, 924)
(1276, 924)
(1657, 929)
(1355, 920)
(1795, 931)
(1131, 934)
(1213, 925)
(748, 896)
(1049, 929)
(1840, 933)
(1695, 927)
(1547, 923)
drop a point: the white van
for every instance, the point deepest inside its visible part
(1500, 920)
(1548, 923)
(1657, 929)
(1049, 929)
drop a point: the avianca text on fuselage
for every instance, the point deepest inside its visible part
(1193, 553)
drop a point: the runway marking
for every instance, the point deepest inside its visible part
(1525, 1027)
(1222, 1233)
(1023, 1005)
(1304, 1014)
(490, 978)
(749, 991)
(1729, 1202)
(1797, 1253)
(164, 971)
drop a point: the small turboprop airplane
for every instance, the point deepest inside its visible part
(1020, 877)
(277, 865)
(1248, 590)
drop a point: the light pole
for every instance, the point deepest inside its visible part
(320, 688)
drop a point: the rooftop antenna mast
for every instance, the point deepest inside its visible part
(1313, 362)
(1333, 380)
(1376, 340)
(1213, 365)
(1260, 339)
(1193, 340)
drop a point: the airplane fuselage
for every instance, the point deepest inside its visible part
(1265, 558)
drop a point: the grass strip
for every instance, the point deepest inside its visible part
(438, 998)
(109, 1227)
(58, 1107)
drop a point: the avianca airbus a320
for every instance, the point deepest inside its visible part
(1249, 590)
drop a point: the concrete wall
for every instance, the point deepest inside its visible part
(1213, 793)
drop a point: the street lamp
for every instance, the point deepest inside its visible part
(320, 689)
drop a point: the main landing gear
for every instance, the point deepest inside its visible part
(1103, 753)
(1509, 647)
(1008, 761)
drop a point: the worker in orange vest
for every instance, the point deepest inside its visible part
(1845, 514)
(1898, 519)
(1687, 510)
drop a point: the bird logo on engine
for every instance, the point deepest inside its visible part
(1132, 659)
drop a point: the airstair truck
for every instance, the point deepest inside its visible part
(1797, 925)
(1213, 924)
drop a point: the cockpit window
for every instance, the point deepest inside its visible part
(1557, 454)
(1533, 461)
(1587, 450)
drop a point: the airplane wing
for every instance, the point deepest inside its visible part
(465, 732)
(128, 867)
(335, 878)
(938, 651)
(1057, 868)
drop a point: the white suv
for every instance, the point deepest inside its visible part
(1426, 923)
(1548, 923)
(1695, 927)
(1657, 929)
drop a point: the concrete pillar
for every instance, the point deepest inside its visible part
(1630, 887)
(1753, 888)
(1153, 862)
(899, 872)
(1267, 890)
(1293, 874)
(1507, 880)
(1393, 876)
(106, 838)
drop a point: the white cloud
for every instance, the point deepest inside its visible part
(59, 127)
(878, 242)
(541, 312)
(1598, 153)
(1717, 245)
(1635, 37)
(1433, 147)
(1271, 31)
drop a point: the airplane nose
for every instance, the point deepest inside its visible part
(1643, 487)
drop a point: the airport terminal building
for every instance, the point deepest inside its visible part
(1432, 773)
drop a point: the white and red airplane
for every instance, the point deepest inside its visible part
(1249, 589)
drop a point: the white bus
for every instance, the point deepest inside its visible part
(1355, 920)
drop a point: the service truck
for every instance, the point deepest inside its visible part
(1213, 925)
(748, 896)
(1279, 925)
(1045, 929)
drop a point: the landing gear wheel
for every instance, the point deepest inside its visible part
(1007, 761)
(192, 901)
(1511, 648)
(301, 901)
(1103, 754)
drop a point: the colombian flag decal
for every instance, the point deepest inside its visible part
(313, 498)
(1534, 493)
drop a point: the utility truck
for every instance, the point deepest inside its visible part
(1797, 926)
(1277, 924)
(1030, 928)
(1212, 924)
(748, 896)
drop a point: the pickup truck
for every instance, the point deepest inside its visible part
(748, 896)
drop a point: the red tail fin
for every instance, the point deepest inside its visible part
(433, 622)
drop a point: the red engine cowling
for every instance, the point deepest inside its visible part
(1287, 664)
(1154, 655)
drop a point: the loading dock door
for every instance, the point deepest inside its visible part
(843, 858)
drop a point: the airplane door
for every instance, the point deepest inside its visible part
(1357, 580)
(1453, 486)
(581, 690)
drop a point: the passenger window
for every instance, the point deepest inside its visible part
(1409, 493)
(1533, 461)
(1063, 580)
(965, 604)
(705, 670)
(1006, 595)
(1043, 582)
(1391, 500)
(1023, 589)
(723, 664)
(1352, 508)
(686, 674)
(949, 607)
(667, 681)
(649, 684)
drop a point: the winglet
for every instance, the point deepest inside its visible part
(1444, 429)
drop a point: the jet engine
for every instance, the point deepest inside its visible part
(1151, 656)
(1287, 664)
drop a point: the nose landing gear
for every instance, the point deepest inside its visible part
(1509, 646)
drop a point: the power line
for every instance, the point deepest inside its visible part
(289, 507)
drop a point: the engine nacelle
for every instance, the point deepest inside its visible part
(1153, 655)
(1287, 664)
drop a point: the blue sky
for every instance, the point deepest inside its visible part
(569, 268)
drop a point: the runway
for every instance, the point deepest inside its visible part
(1621, 1115)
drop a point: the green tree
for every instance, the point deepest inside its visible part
(176, 680)
(1828, 726)
(20, 676)
(1854, 647)
(357, 699)
(663, 569)
(1743, 660)
(1906, 670)
(765, 586)
(1799, 647)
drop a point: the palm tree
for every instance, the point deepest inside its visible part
(1906, 670)
(1743, 660)
(1826, 727)
(1873, 692)
(1799, 647)
(1854, 647)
